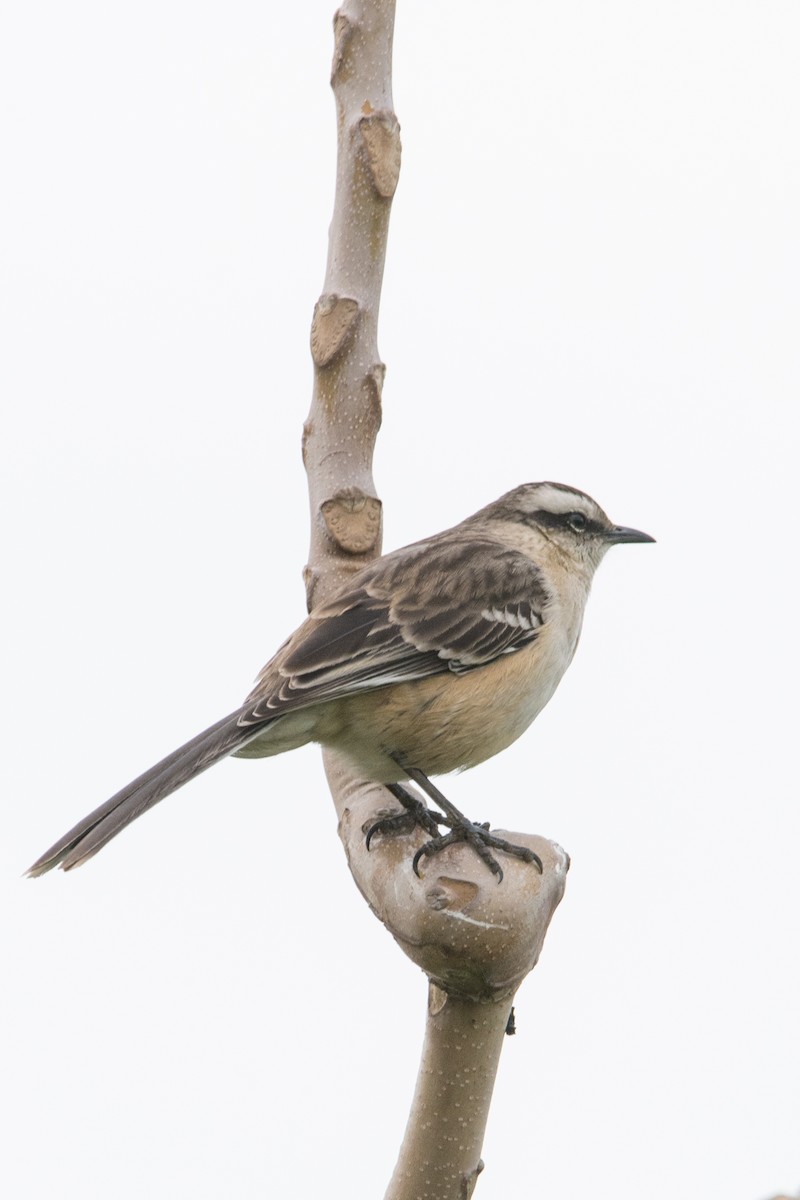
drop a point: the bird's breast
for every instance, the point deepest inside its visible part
(450, 722)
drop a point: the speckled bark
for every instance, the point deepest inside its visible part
(474, 939)
(340, 432)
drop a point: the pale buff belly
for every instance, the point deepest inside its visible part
(448, 722)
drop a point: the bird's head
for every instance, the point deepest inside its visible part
(570, 521)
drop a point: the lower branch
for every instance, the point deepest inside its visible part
(440, 1156)
(476, 940)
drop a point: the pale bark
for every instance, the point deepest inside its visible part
(476, 940)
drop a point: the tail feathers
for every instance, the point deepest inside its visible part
(92, 833)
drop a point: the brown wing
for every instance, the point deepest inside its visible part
(443, 606)
(430, 608)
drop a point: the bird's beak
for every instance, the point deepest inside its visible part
(621, 533)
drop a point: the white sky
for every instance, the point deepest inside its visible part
(592, 277)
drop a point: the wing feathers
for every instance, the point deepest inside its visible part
(410, 615)
(452, 605)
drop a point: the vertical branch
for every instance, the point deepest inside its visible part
(345, 416)
(475, 941)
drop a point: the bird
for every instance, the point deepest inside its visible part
(428, 660)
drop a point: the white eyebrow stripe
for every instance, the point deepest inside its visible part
(564, 500)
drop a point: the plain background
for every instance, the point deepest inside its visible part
(592, 277)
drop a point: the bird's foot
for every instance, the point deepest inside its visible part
(482, 842)
(478, 836)
(415, 813)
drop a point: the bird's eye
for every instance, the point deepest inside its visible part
(577, 521)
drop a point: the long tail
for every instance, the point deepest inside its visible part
(92, 833)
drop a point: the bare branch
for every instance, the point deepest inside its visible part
(474, 939)
(345, 415)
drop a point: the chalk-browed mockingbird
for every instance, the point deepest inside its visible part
(430, 660)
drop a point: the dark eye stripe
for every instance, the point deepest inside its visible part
(550, 520)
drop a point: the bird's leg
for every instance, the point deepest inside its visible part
(415, 813)
(461, 828)
(464, 830)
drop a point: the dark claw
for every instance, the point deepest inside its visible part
(435, 845)
(478, 836)
(522, 852)
(402, 822)
(431, 847)
(480, 839)
(415, 813)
